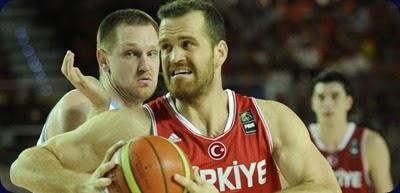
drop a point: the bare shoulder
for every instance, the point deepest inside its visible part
(272, 108)
(74, 99)
(275, 111)
(375, 141)
(282, 121)
(69, 112)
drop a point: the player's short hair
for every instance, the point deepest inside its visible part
(328, 76)
(106, 32)
(215, 25)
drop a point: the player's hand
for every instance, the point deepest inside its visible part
(197, 185)
(88, 85)
(96, 182)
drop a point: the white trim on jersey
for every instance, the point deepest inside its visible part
(41, 137)
(364, 157)
(315, 136)
(196, 131)
(114, 105)
(265, 123)
(351, 127)
(318, 142)
(153, 119)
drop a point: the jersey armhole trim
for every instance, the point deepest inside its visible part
(364, 156)
(153, 130)
(42, 137)
(266, 126)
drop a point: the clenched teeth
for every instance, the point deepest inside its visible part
(181, 71)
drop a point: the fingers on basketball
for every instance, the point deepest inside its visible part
(110, 152)
(103, 169)
(102, 182)
(196, 176)
(188, 183)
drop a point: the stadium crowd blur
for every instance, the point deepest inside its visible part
(276, 46)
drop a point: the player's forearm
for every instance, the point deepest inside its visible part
(313, 187)
(39, 171)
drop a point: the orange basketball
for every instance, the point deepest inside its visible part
(147, 165)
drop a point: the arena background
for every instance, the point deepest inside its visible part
(276, 46)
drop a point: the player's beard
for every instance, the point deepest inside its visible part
(188, 90)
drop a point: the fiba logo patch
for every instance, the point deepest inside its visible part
(354, 147)
(248, 124)
(217, 150)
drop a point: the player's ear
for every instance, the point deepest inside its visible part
(220, 53)
(349, 102)
(102, 60)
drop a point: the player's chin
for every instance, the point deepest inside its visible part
(183, 92)
(147, 92)
(146, 83)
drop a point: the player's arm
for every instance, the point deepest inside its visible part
(54, 160)
(68, 114)
(63, 163)
(304, 168)
(378, 159)
(74, 108)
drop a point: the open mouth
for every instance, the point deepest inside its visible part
(181, 72)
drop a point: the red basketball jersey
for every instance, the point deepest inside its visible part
(349, 161)
(240, 160)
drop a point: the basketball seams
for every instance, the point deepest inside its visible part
(126, 169)
(159, 159)
(159, 162)
(184, 161)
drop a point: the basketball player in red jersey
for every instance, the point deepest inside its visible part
(238, 142)
(241, 142)
(359, 156)
(116, 88)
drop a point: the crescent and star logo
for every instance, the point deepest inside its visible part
(217, 150)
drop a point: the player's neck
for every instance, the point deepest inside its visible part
(124, 102)
(128, 103)
(120, 96)
(208, 113)
(332, 133)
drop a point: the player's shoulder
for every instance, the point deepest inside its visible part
(272, 107)
(374, 139)
(275, 113)
(74, 99)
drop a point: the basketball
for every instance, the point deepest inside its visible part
(147, 165)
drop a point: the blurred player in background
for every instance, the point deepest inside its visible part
(358, 155)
